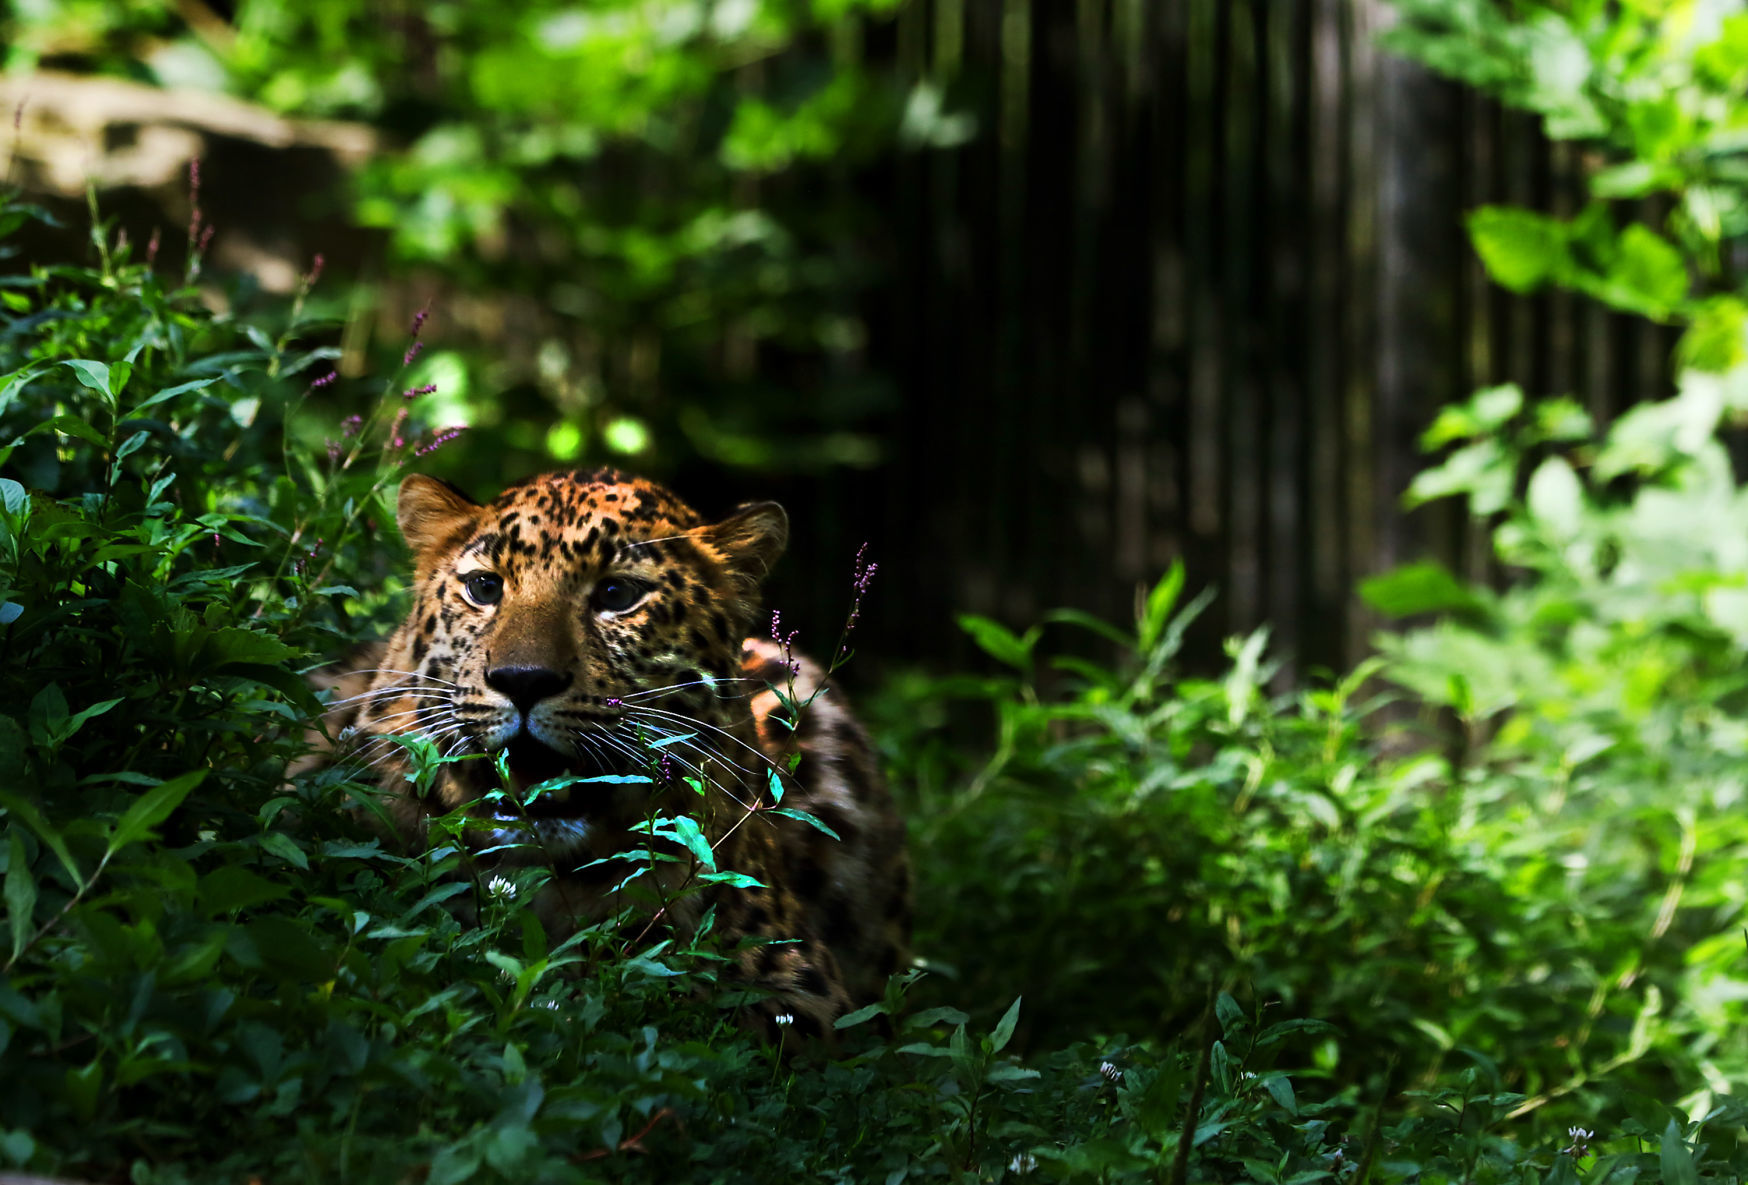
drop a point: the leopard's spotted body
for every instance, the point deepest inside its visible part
(581, 615)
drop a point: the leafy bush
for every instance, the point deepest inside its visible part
(214, 971)
(1258, 937)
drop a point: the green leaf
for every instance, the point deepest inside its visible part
(172, 392)
(803, 816)
(78, 719)
(233, 645)
(32, 818)
(20, 895)
(688, 832)
(72, 426)
(775, 784)
(1648, 274)
(1004, 1028)
(286, 849)
(736, 880)
(850, 1020)
(1280, 1088)
(94, 375)
(1519, 248)
(1676, 1158)
(150, 809)
(234, 887)
(1160, 602)
(15, 382)
(13, 495)
(1556, 498)
(1425, 587)
(998, 641)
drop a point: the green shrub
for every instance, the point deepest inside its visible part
(216, 972)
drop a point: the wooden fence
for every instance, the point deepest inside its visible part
(1194, 291)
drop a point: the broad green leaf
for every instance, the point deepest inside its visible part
(688, 832)
(20, 894)
(69, 425)
(150, 809)
(1519, 248)
(735, 880)
(998, 641)
(234, 887)
(850, 1020)
(1004, 1028)
(1676, 1159)
(1648, 273)
(94, 375)
(1280, 1088)
(15, 382)
(1424, 587)
(32, 818)
(1556, 497)
(1160, 602)
(172, 392)
(803, 816)
(286, 849)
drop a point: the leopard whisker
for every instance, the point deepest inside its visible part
(693, 722)
(686, 764)
(584, 738)
(415, 675)
(673, 687)
(389, 693)
(692, 741)
(382, 744)
(420, 715)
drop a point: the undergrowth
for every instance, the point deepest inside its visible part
(1233, 938)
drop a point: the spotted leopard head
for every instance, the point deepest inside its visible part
(570, 623)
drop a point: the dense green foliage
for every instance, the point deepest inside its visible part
(624, 200)
(214, 971)
(1414, 924)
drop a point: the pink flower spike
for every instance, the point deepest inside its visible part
(413, 393)
(413, 352)
(419, 319)
(325, 381)
(442, 438)
(194, 203)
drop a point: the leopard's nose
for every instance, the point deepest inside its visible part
(526, 686)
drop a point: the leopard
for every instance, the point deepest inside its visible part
(589, 623)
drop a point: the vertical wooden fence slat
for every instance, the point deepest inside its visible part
(1195, 290)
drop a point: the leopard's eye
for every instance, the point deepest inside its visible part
(484, 588)
(618, 594)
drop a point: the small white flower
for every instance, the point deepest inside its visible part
(500, 886)
(1025, 1162)
(1110, 1071)
(1580, 1145)
(784, 1018)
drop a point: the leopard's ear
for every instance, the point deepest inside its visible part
(752, 538)
(432, 513)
